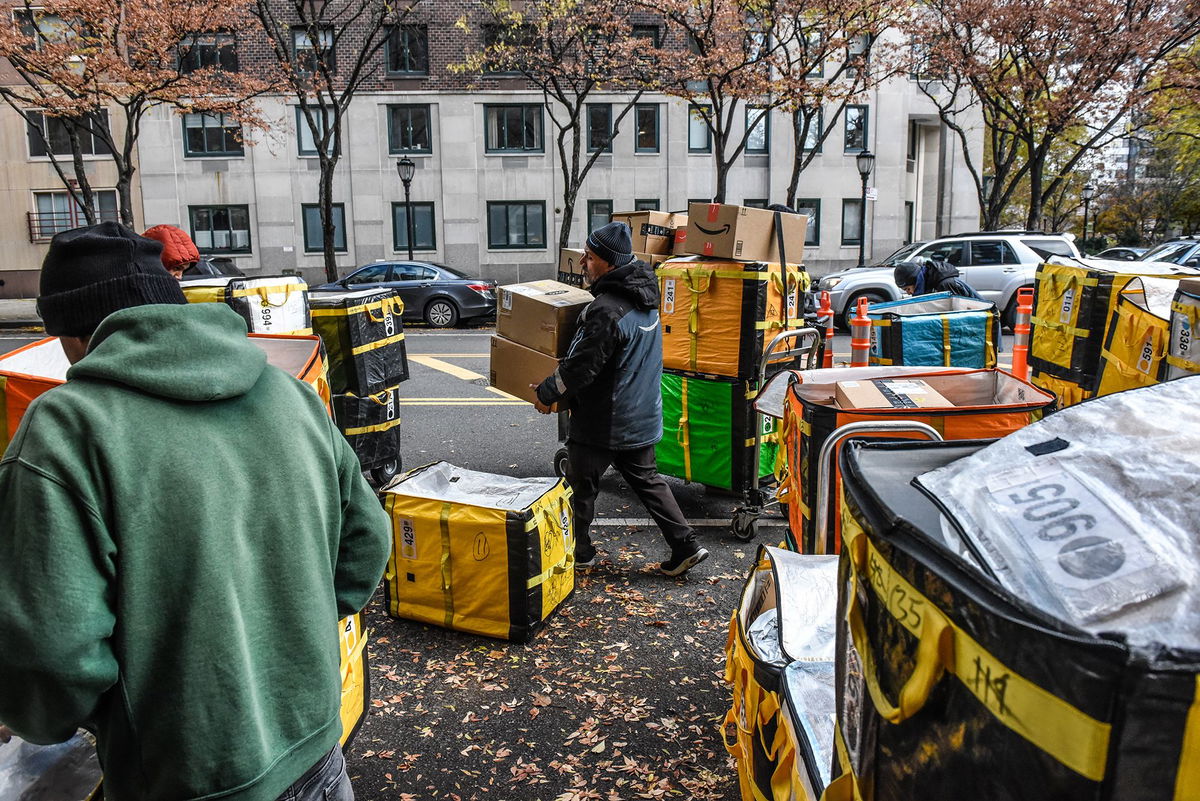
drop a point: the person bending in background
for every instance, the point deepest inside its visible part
(926, 276)
(611, 380)
(191, 627)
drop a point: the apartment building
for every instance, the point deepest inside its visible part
(487, 192)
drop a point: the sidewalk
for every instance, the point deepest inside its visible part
(19, 313)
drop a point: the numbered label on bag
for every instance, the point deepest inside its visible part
(1068, 305)
(668, 296)
(408, 538)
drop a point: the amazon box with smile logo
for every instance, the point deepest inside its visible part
(742, 233)
(653, 231)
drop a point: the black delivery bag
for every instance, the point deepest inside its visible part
(364, 337)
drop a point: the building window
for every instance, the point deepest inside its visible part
(516, 224)
(758, 138)
(314, 241)
(755, 203)
(306, 143)
(56, 212)
(408, 129)
(811, 208)
(856, 129)
(208, 50)
(646, 140)
(651, 33)
(699, 136)
(646, 204)
(313, 47)
(812, 137)
(599, 214)
(910, 221)
(37, 25)
(506, 42)
(424, 231)
(813, 49)
(851, 219)
(220, 229)
(513, 129)
(56, 131)
(407, 50)
(599, 127)
(211, 135)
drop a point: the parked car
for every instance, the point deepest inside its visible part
(209, 266)
(995, 263)
(1121, 253)
(434, 293)
(1185, 251)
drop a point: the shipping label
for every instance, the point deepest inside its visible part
(668, 296)
(506, 300)
(1068, 305)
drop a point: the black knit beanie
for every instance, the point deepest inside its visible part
(612, 243)
(906, 273)
(91, 272)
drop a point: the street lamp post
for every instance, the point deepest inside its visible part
(407, 168)
(1089, 192)
(865, 162)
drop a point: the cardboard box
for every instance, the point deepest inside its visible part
(570, 263)
(743, 233)
(540, 314)
(653, 231)
(652, 259)
(514, 367)
(888, 393)
(679, 247)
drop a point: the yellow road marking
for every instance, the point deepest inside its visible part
(445, 367)
(504, 394)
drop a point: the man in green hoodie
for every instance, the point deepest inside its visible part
(190, 626)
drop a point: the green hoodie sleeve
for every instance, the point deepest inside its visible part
(56, 615)
(366, 534)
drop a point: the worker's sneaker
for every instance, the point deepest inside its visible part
(679, 564)
(586, 559)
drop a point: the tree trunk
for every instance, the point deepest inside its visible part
(328, 165)
(571, 180)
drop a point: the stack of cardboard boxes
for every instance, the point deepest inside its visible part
(740, 285)
(534, 325)
(655, 237)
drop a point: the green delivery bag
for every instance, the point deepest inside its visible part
(709, 428)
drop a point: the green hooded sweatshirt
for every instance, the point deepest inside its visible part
(181, 527)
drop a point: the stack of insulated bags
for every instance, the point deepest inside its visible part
(940, 330)
(779, 663)
(718, 317)
(272, 304)
(1019, 622)
(364, 337)
(29, 371)
(1135, 347)
(477, 552)
(1074, 304)
(986, 404)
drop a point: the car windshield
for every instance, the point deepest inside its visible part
(1053, 247)
(900, 255)
(1174, 252)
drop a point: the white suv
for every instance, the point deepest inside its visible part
(996, 264)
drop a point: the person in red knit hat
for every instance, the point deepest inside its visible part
(179, 251)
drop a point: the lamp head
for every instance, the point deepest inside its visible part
(406, 168)
(865, 162)
(1089, 192)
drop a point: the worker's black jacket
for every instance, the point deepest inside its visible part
(611, 377)
(944, 277)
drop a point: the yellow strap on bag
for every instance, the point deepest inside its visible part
(379, 343)
(264, 293)
(1187, 779)
(683, 433)
(696, 287)
(989, 345)
(845, 786)
(396, 304)
(353, 656)
(946, 358)
(447, 597)
(1192, 313)
(1071, 736)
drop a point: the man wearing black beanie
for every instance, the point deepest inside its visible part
(192, 627)
(611, 380)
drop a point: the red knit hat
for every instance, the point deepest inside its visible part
(178, 248)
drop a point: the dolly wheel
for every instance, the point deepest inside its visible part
(386, 471)
(744, 525)
(560, 463)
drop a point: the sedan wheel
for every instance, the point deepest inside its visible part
(441, 313)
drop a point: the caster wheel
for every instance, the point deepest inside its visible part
(560, 463)
(744, 525)
(386, 472)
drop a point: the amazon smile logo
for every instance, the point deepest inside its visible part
(716, 232)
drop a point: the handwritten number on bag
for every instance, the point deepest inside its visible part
(1048, 503)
